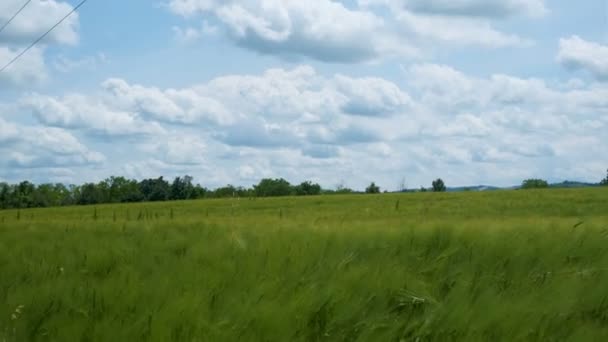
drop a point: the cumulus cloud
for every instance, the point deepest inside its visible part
(332, 31)
(320, 29)
(76, 111)
(42, 147)
(458, 31)
(371, 96)
(298, 123)
(577, 53)
(36, 19)
(31, 68)
(29, 25)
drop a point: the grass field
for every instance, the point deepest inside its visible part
(505, 265)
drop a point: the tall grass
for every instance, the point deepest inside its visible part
(508, 266)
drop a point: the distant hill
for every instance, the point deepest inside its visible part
(571, 184)
(474, 188)
(562, 185)
(565, 184)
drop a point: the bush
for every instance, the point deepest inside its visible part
(534, 184)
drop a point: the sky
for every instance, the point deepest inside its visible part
(399, 92)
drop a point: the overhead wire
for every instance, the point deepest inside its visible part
(42, 36)
(15, 15)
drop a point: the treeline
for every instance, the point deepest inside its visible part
(123, 190)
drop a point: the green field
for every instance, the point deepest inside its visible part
(505, 265)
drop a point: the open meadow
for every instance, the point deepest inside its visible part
(504, 265)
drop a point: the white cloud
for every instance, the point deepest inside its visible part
(29, 69)
(320, 29)
(371, 96)
(298, 123)
(458, 31)
(65, 64)
(469, 8)
(191, 34)
(29, 25)
(332, 31)
(577, 53)
(76, 111)
(42, 147)
(36, 19)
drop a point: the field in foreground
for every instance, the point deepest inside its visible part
(507, 265)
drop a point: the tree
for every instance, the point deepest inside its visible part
(439, 185)
(604, 181)
(123, 190)
(89, 193)
(225, 191)
(372, 189)
(4, 195)
(23, 196)
(273, 187)
(154, 189)
(534, 183)
(182, 188)
(307, 188)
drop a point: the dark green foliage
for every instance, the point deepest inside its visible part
(182, 188)
(439, 185)
(273, 187)
(604, 181)
(372, 189)
(534, 184)
(155, 189)
(90, 193)
(231, 191)
(307, 189)
(122, 190)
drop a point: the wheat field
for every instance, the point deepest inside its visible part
(487, 266)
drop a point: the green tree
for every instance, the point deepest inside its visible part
(438, 185)
(182, 188)
(225, 191)
(372, 189)
(23, 196)
(604, 181)
(307, 188)
(534, 183)
(154, 189)
(4, 195)
(121, 190)
(90, 193)
(273, 187)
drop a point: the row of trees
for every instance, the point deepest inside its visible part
(123, 190)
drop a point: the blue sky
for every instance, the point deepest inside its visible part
(338, 92)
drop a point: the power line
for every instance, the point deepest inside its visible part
(16, 14)
(42, 37)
